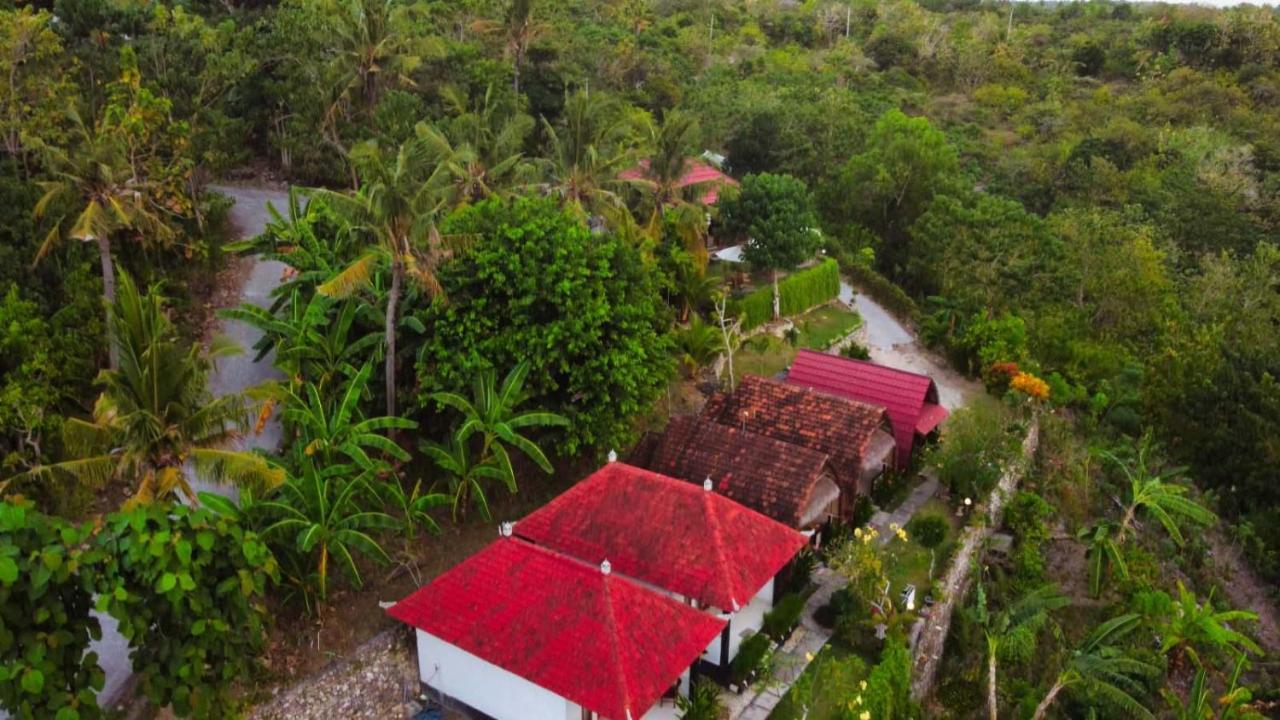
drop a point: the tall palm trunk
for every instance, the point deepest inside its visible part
(109, 296)
(1043, 707)
(393, 303)
(992, 707)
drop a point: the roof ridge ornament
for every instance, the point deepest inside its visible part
(605, 567)
(505, 529)
(707, 484)
(613, 456)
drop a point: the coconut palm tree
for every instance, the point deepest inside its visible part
(99, 196)
(520, 30)
(1109, 674)
(587, 151)
(697, 345)
(155, 420)
(663, 191)
(398, 202)
(493, 415)
(1157, 495)
(482, 146)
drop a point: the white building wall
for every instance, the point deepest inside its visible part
(745, 622)
(486, 687)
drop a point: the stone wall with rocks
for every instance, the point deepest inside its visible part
(379, 680)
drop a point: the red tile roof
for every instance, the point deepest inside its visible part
(910, 398)
(665, 532)
(839, 427)
(601, 641)
(697, 173)
(769, 476)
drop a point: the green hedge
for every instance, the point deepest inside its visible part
(799, 292)
(750, 658)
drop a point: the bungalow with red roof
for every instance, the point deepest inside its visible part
(697, 173)
(522, 632)
(910, 398)
(685, 540)
(856, 437)
(601, 603)
(791, 484)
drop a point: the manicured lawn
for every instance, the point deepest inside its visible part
(766, 355)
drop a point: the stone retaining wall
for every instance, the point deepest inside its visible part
(956, 582)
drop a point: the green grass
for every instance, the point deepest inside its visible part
(767, 355)
(834, 671)
(908, 563)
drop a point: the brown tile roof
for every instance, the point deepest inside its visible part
(769, 476)
(836, 426)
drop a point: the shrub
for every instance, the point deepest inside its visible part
(799, 292)
(863, 511)
(974, 448)
(703, 702)
(928, 529)
(783, 618)
(801, 570)
(855, 351)
(750, 658)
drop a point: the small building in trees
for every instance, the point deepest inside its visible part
(522, 632)
(699, 174)
(856, 437)
(911, 399)
(791, 484)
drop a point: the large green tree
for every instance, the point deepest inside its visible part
(582, 309)
(775, 216)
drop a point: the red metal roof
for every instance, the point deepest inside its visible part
(601, 641)
(910, 398)
(666, 532)
(697, 173)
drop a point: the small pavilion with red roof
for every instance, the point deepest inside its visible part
(910, 398)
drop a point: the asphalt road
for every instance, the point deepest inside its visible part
(232, 374)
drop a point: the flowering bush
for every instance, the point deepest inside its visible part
(1030, 385)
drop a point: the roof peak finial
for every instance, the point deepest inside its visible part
(605, 567)
(613, 456)
(707, 484)
(505, 529)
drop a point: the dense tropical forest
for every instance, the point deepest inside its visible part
(1077, 204)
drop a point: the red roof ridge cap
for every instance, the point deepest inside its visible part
(612, 623)
(717, 542)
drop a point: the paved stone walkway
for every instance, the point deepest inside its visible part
(808, 639)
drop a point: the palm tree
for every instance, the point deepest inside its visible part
(693, 286)
(664, 192)
(1157, 495)
(1011, 633)
(586, 152)
(103, 197)
(520, 30)
(1106, 671)
(398, 201)
(322, 511)
(1103, 554)
(1192, 624)
(697, 345)
(482, 146)
(155, 417)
